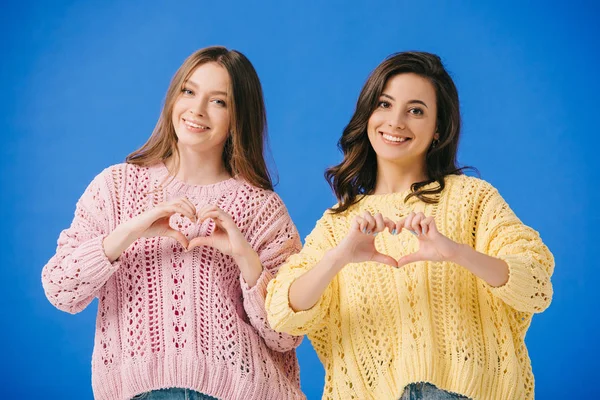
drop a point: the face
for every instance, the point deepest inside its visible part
(402, 127)
(201, 112)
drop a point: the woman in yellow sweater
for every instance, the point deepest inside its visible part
(421, 282)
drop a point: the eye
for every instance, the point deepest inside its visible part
(187, 91)
(219, 102)
(416, 111)
(384, 104)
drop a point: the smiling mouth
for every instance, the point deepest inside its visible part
(393, 139)
(195, 126)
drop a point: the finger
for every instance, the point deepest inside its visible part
(379, 223)
(357, 223)
(409, 258)
(416, 223)
(399, 225)
(170, 209)
(221, 218)
(200, 241)
(370, 226)
(426, 225)
(364, 225)
(192, 207)
(384, 259)
(190, 210)
(204, 209)
(408, 223)
(391, 225)
(180, 237)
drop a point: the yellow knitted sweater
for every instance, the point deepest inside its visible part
(377, 328)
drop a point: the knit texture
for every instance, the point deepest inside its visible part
(170, 318)
(377, 328)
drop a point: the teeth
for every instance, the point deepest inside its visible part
(394, 138)
(193, 125)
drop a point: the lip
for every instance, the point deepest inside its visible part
(398, 140)
(195, 126)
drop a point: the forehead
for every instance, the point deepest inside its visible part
(409, 86)
(210, 77)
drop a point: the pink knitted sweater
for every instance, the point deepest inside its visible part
(169, 318)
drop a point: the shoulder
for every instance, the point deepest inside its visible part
(121, 170)
(105, 178)
(120, 179)
(470, 186)
(257, 198)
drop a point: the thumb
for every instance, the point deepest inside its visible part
(200, 241)
(180, 237)
(384, 259)
(410, 258)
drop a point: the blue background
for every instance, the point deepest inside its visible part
(83, 82)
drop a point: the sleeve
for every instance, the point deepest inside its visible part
(499, 233)
(275, 239)
(281, 315)
(75, 274)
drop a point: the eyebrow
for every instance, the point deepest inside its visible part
(192, 83)
(409, 102)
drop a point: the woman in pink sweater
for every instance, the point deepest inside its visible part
(179, 244)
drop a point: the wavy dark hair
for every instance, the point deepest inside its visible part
(356, 174)
(243, 154)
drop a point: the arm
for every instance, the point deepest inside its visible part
(88, 252)
(299, 297)
(509, 256)
(530, 264)
(282, 316)
(75, 274)
(274, 237)
(276, 240)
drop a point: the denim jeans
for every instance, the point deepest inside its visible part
(173, 394)
(427, 391)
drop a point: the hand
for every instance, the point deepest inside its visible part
(359, 243)
(226, 236)
(155, 222)
(433, 246)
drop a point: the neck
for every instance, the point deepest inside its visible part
(394, 178)
(197, 169)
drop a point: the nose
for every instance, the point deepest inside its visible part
(396, 121)
(199, 106)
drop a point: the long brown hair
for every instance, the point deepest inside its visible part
(356, 174)
(243, 154)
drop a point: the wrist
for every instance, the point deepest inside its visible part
(117, 241)
(460, 254)
(337, 258)
(247, 257)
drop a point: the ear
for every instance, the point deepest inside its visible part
(436, 136)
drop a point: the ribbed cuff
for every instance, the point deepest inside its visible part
(521, 291)
(254, 297)
(95, 265)
(281, 315)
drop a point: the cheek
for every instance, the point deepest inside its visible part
(373, 123)
(178, 108)
(222, 118)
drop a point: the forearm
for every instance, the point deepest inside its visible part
(492, 270)
(254, 304)
(118, 241)
(306, 291)
(74, 275)
(250, 266)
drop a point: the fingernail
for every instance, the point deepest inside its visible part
(394, 231)
(364, 230)
(374, 233)
(368, 232)
(414, 233)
